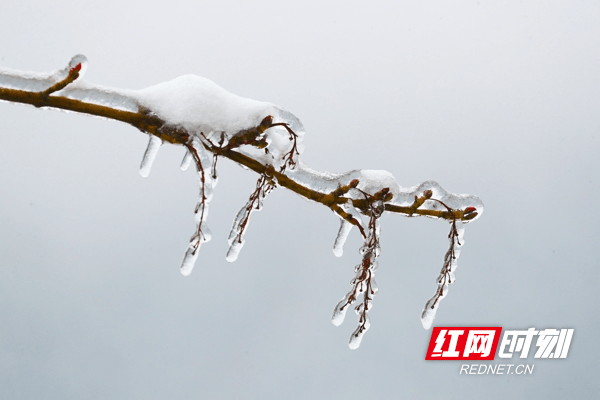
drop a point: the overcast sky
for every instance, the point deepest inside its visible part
(496, 100)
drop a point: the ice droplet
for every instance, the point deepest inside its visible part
(153, 145)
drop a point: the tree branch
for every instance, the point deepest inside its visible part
(271, 149)
(146, 121)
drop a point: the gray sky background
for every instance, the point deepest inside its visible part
(496, 100)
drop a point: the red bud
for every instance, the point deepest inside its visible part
(266, 123)
(76, 68)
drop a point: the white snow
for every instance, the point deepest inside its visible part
(199, 104)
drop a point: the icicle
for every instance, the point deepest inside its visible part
(153, 145)
(340, 240)
(187, 160)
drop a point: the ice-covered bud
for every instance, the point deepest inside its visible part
(381, 194)
(78, 64)
(427, 194)
(354, 183)
(265, 123)
(470, 213)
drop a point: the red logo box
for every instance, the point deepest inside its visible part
(463, 343)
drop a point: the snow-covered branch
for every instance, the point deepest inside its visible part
(210, 123)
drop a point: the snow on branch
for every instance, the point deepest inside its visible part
(210, 123)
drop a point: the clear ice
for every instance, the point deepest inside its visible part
(154, 144)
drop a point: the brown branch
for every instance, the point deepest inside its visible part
(145, 121)
(73, 74)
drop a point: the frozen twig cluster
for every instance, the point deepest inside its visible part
(446, 276)
(264, 186)
(210, 123)
(364, 282)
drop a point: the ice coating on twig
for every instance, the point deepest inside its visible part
(277, 141)
(120, 99)
(202, 233)
(154, 144)
(264, 186)
(29, 81)
(446, 276)
(38, 82)
(364, 282)
(372, 181)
